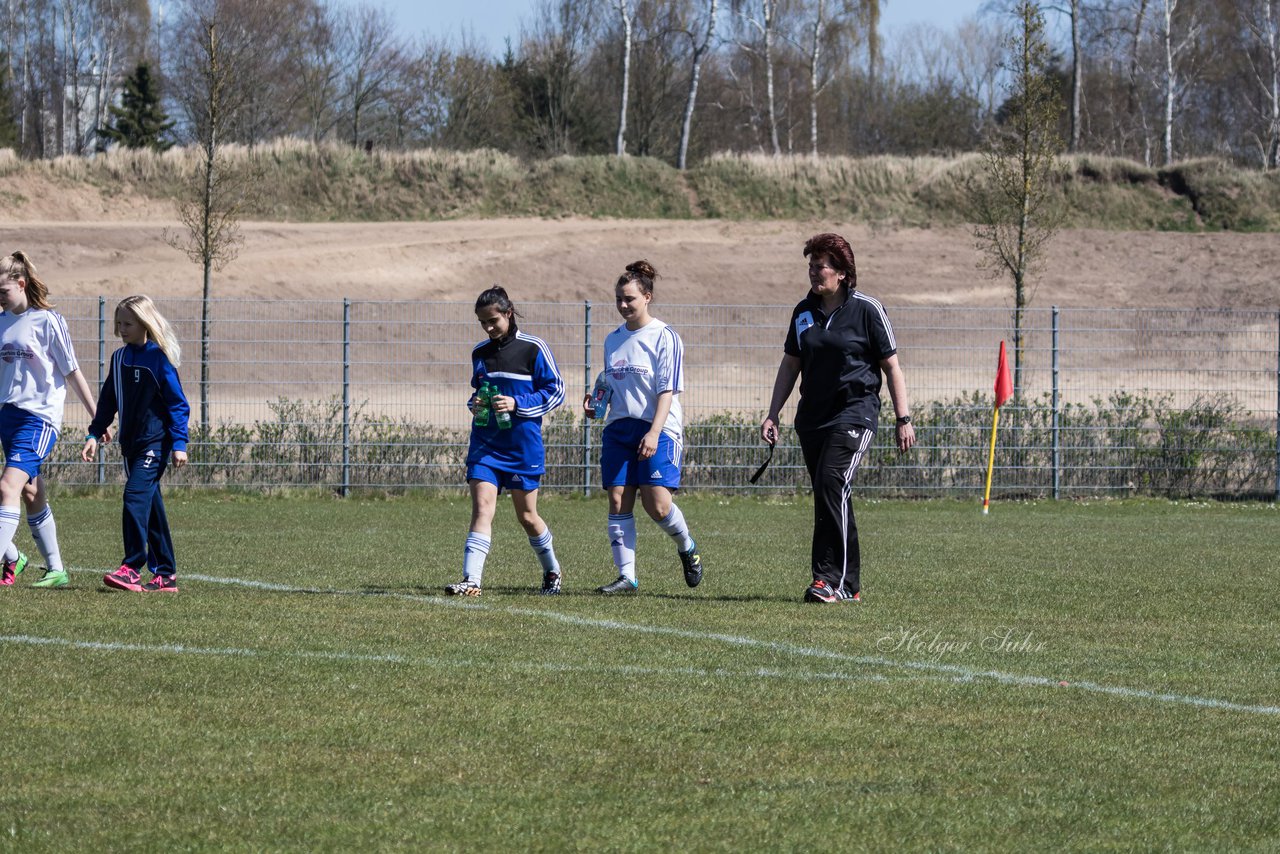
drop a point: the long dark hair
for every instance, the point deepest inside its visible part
(496, 297)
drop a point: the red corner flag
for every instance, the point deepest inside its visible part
(1004, 383)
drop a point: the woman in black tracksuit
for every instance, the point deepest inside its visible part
(838, 343)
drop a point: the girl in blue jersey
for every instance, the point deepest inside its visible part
(524, 371)
(144, 389)
(37, 363)
(642, 443)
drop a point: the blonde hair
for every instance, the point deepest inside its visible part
(158, 329)
(17, 265)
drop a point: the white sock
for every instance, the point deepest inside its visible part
(675, 526)
(473, 555)
(46, 535)
(622, 540)
(9, 518)
(11, 552)
(545, 551)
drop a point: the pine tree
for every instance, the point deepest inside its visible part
(139, 122)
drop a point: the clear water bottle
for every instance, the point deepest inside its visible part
(503, 418)
(600, 396)
(480, 406)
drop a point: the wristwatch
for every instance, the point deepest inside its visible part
(904, 419)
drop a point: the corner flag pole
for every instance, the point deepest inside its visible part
(1004, 391)
(991, 459)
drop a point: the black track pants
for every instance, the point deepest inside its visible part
(832, 457)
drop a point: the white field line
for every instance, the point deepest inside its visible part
(456, 663)
(950, 672)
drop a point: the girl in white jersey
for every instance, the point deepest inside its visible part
(37, 363)
(642, 444)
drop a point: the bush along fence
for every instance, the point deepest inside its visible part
(1125, 445)
(1162, 403)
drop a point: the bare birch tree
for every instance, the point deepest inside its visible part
(627, 17)
(1178, 34)
(73, 16)
(1262, 20)
(830, 29)
(1077, 75)
(765, 26)
(701, 45)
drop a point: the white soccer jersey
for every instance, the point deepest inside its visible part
(35, 357)
(641, 365)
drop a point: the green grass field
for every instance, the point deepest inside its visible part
(1090, 675)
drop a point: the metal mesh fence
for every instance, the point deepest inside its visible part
(349, 395)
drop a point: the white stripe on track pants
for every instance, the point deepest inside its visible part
(832, 457)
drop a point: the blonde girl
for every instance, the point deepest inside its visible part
(37, 363)
(144, 389)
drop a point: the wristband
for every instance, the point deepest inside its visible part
(89, 436)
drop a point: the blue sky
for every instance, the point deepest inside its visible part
(491, 21)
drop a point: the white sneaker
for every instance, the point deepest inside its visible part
(463, 588)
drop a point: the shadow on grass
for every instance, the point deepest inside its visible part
(529, 592)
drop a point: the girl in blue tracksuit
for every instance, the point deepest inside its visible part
(143, 387)
(512, 458)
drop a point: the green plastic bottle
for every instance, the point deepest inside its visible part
(480, 407)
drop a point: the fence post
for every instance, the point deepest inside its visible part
(1057, 421)
(586, 384)
(1277, 495)
(346, 397)
(102, 361)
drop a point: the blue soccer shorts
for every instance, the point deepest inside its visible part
(620, 463)
(27, 439)
(503, 479)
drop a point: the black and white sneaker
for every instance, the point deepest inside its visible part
(820, 591)
(550, 584)
(463, 588)
(692, 562)
(622, 585)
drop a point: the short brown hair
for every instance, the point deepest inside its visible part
(838, 250)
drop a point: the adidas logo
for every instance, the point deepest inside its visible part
(657, 475)
(16, 458)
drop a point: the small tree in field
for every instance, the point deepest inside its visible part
(209, 206)
(139, 121)
(1012, 209)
